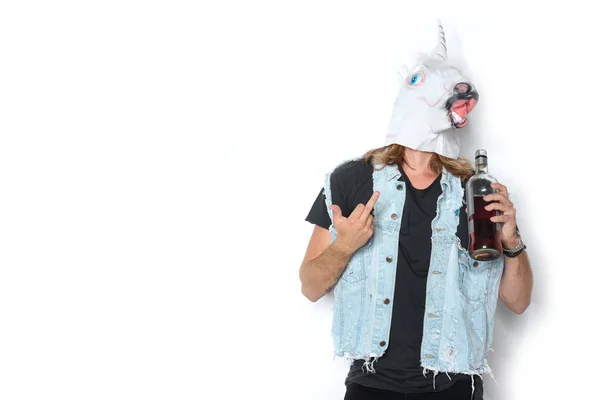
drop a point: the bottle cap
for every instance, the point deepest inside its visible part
(480, 153)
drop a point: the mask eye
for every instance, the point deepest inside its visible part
(416, 79)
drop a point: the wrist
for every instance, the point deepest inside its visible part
(512, 242)
(342, 248)
(512, 248)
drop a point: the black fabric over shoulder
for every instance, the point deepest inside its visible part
(350, 181)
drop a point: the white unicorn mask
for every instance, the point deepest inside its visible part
(432, 105)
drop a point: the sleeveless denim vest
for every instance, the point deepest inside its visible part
(461, 294)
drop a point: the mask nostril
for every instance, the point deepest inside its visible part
(462, 88)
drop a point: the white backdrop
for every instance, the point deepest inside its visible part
(158, 158)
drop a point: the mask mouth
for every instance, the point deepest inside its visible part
(458, 110)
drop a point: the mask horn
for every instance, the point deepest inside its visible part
(440, 51)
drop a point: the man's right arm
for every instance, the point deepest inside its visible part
(324, 262)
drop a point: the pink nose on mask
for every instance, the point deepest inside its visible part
(462, 88)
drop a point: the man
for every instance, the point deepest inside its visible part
(411, 308)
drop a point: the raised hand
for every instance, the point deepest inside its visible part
(353, 232)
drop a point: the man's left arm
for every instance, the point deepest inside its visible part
(516, 283)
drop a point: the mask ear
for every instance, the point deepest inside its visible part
(402, 73)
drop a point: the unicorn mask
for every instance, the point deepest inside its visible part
(432, 105)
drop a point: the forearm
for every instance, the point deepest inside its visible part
(517, 283)
(320, 275)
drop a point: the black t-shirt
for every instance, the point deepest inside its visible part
(399, 368)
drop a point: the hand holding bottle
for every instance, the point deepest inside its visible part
(508, 217)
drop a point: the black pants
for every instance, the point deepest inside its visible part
(461, 390)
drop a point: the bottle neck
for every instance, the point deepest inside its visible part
(482, 168)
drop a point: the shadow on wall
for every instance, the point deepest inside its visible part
(512, 334)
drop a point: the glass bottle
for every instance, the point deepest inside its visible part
(484, 235)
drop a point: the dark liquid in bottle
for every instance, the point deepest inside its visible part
(485, 238)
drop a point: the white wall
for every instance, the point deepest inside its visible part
(158, 159)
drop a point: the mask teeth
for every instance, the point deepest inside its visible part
(457, 118)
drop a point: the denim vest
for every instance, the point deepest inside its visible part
(461, 294)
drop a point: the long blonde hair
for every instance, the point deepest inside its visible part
(394, 154)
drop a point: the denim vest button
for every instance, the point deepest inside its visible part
(394, 216)
(436, 272)
(386, 301)
(429, 356)
(388, 259)
(476, 264)
(431, 315)
(399, 187)
(382, 343)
